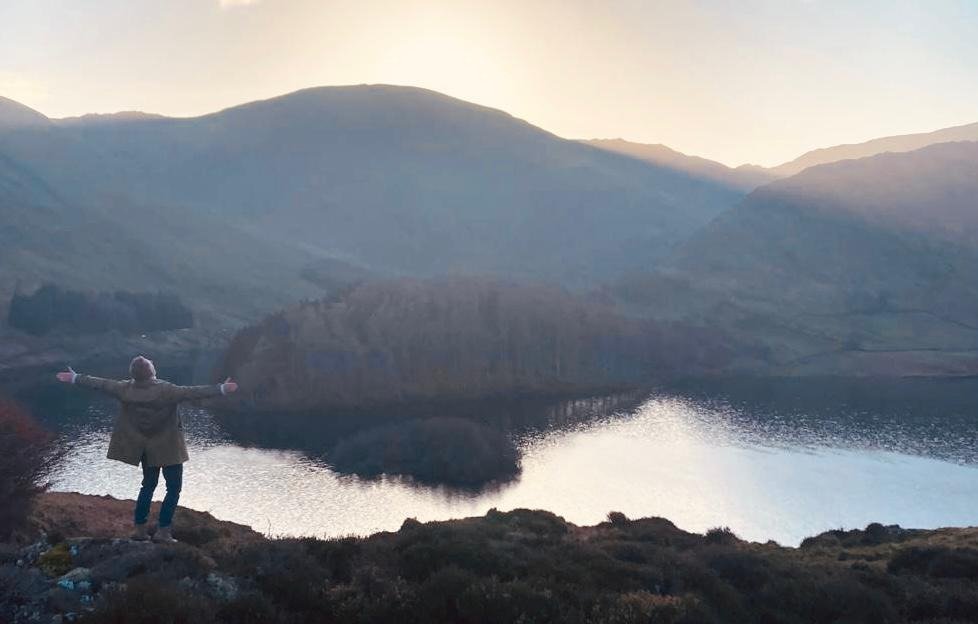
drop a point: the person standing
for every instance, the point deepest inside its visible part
(149, 431)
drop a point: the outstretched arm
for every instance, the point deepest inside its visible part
(192, 393)
(109, 386)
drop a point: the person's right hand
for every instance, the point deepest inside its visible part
(67, 376)
(229, 386)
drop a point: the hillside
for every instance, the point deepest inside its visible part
(229, 208)
(744, 178)
(516, 566)
(901, 143)
(858, 267)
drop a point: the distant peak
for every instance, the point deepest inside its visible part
(107, 118)
(327, 92)
(14, 114)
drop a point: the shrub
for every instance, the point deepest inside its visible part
(251, 608)
(936, 561)
(27, 454)
(642, 607)
(56, 560)
(617, 518)
(285, 570)
(436, 450)
(721, 535)
(745, 571)
(494, 600)
(148, 600)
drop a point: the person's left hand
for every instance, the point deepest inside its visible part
(229, 386)
(67, 376)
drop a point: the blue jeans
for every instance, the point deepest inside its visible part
(173, 475)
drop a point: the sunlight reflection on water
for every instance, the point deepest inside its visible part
(782, 477)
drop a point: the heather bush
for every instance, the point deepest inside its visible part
(937, 561)
(149, 600)
(721, 535)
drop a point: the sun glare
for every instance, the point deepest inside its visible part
(446, 57)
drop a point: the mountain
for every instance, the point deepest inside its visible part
(865, 266)
(229, 208)
(744, 178)
(902, 143)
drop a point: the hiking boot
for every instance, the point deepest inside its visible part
(139, 533)
(163, 536)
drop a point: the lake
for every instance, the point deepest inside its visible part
(771, 459)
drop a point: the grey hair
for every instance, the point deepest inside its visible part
(142, 369)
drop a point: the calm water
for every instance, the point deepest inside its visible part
(771, 460)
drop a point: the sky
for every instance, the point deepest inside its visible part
(739, 81)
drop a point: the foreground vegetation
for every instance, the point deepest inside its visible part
(28, 452)
(519, 566)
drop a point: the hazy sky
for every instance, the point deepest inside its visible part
(738, 80)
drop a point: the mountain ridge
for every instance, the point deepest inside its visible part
(871, 147)
(395, 180)
(744, 177)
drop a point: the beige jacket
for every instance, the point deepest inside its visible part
(148, 422)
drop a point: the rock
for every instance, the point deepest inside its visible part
(61, 599)
(222, 587)
(78, 574)
(32, 553)
(8, 554)
(20, 585)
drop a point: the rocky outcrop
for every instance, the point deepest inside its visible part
(75, 552)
